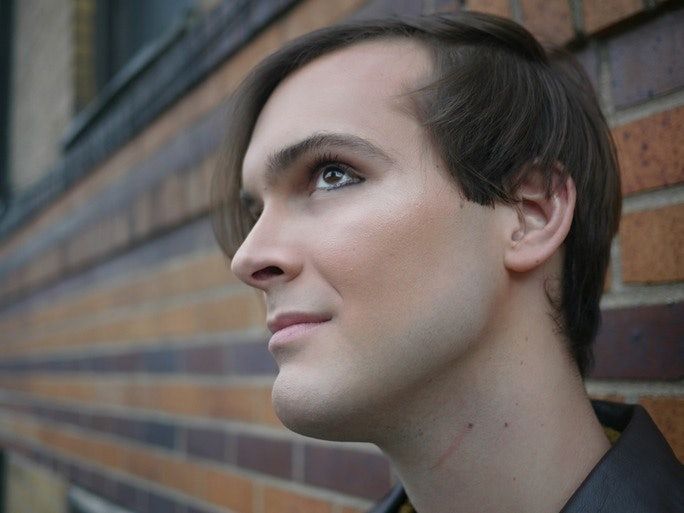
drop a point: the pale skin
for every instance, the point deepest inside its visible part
(439, 346)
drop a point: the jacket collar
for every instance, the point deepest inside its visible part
(638, 474)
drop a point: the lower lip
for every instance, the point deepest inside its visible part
(291, 333)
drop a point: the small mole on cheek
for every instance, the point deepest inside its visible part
(470, 425)
(505, 424)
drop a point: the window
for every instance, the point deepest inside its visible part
(110, 33)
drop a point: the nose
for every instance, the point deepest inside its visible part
(268, 256)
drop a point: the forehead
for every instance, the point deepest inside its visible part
(359, 90)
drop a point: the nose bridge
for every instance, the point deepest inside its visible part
(269, 253)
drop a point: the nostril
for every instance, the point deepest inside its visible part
(267, 272)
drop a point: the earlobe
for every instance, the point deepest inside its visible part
(544, 220)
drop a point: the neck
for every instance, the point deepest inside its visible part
(499, 433)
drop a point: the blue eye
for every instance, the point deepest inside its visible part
(334, 175)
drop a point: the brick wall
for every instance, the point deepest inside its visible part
(133, 365)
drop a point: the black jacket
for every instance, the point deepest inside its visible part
(638, 474)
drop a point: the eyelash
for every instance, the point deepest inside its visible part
(320, 162)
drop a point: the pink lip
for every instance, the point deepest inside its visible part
(284, 320)
(291, 332)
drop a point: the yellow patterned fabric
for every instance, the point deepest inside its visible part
(406, 508)
(612, 434)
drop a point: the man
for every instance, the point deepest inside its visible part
(427, 206)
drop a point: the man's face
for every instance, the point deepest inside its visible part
(377, 239)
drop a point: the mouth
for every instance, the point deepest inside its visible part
(290, 326)
(285, 320)
(291, 333)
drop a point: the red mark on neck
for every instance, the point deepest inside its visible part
(456, 442)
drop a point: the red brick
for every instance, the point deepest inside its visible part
(600, 14)
(228, 490)
(349, 509)
(652, 245)
(311, 15)
(496, 7)
(549, 20)
(205, 270)
(608, 283)
(650, 151)
(197, 186)
(281, 501)
(171, 202)
(668, 414)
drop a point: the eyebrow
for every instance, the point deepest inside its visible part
(283, 159)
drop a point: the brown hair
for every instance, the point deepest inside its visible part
(496, 103)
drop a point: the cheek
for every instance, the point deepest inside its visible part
(403, 265)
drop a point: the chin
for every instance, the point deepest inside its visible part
(310, 410)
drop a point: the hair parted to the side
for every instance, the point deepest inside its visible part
(495, 103)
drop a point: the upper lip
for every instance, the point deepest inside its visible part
(288, 319)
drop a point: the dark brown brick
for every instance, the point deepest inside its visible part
(381, 8)
(128, 428)
(204, 359)
(195, 509)
(157, 503)
(102, 485)
(129, 497)
(251, 358)
(206, 443)
(440, 6)
(647, 61)
(104, 423)
(643, 342)
(348, 471)
(587, 58)
(265, 455)
(158, 433)
(129, 362)
(161, 360)
(82, 477)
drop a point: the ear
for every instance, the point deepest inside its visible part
(543, 220)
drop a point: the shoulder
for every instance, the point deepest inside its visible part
(640, 473)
